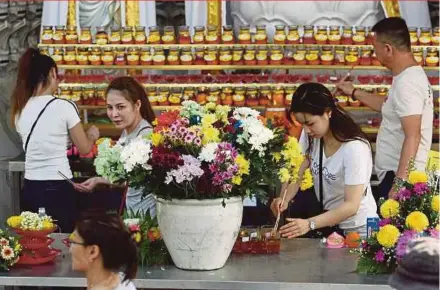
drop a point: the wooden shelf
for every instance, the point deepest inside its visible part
(227, 67)
(167, 46)
(221, 85)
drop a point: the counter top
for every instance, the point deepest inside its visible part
(302, 264)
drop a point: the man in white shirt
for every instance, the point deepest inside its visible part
(405, 133)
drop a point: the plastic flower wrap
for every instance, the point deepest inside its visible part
(412, 213)
(145, 232)
(10, 250)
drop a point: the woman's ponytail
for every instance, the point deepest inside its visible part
(131, 259)
(33, 70)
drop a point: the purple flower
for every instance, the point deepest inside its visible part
(434, 233)
(384, 222)
(404, 194)
(420, 188)
(198, 141)
(380, 256)
(402, 243)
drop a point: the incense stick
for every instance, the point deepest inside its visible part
(279, 211)
(66, 178)
(342, 80)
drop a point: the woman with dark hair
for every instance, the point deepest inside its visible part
(129, 109)
(340, 160)
(101, 247)
(44, 124)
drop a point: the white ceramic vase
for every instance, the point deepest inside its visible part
(199, 234)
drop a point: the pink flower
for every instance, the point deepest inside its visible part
(420, 188)
(402, 243)
(434, 233)
(380, 256)
(384, 222)
(134, 228)
(404, 194)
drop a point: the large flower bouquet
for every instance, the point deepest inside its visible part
(205, 152)
(412, 213)
(10, 250)
(145, 232)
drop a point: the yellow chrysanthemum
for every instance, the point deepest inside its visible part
(389, 208)
(276, 156)
(210, 106)
(14, 221)
(208, 120)
(417, 221)
(284, 175)
(237, 180)
(48, 225)
(243, 164)
(210, 135)
(388, 236)
(437, 227)
(222, 112)
(307, 180)
(17, 248)
(156, 139)
(154, 123)
(435, 203)
(417, 177)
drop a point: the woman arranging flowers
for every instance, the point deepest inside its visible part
(340, 161)
(129, 109)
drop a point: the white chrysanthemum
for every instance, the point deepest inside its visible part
(108, 163)
(245, 113)
(137, 152)
(208, 152)
(256, 134)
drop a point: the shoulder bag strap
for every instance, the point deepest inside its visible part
(142, 129)
(35, 123)
(321, 153)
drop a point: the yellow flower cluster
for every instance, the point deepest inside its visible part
(435, 203)
(417, 221)
(307, 180)
(156, 139)
(14, 221)
(388, 236)
(243, 169)
(417, 177)
(292, 156)
(390, 208)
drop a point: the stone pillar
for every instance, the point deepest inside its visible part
(19, 29)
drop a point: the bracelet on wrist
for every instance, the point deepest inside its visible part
(352, 94)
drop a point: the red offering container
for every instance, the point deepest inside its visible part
(388, 80)
(36, 247)
(378, 79)
(271, 241)
(434, 80)
(306, 78)
(222, 79)
(322, 78)
(292, 78)
(262, 78)
(279, 78)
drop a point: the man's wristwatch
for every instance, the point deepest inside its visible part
(312, 225)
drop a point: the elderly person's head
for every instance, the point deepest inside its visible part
(419, 268)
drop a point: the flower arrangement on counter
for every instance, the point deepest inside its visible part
(31, 222)
(413, 212)
(10, 250)
(145, 232)
(205, 152)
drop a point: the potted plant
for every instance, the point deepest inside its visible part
(200, 162)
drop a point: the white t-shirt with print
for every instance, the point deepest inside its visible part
(127, 285)
(351, 164)
(46, 152)
(410, 94)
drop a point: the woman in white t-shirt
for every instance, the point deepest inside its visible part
(44, 124)
(345, 169)
(101, 246)
(130, 110)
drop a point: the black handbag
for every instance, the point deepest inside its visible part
(306, 205)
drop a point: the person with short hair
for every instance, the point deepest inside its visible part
(405, 133)
(101, 247)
